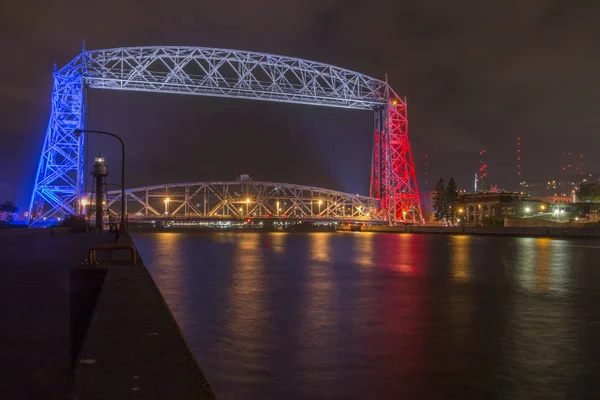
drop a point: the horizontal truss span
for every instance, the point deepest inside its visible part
(242, 200)
(228, 73)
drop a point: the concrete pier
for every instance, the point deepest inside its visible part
(35, 289)
(101, 332)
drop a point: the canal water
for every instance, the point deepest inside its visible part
(361, 315)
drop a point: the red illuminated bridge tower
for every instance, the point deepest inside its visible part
(393, 177)
(59, 186)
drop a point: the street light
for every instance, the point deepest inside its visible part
(247, 204)
(527, 209)
(84, 203)
(78, 133)
(320, 202)
(167, 200)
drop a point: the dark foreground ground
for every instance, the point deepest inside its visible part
(34, 311)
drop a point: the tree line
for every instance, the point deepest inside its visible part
(589, 192)
(445, 201)
(9, 209)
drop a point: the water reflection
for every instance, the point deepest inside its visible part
(561, 263)
(278, 241)
(542, 264)
(320, 248)
(461, 258)
(359, 316)
(319, 316)
(522, 268)
(363, 251)
(247, 314)
(410, 254)
(168, 274)
(405, 252)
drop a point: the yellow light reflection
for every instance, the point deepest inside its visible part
(542, 266)
(319, 314)
(461, 258)
(278, 241)
(560, 265)
(320, 246)
(526, 258)
(168, 273)
(363, 249)
(246, 297)
(403, 257)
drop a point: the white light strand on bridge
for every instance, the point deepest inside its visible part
(243, 199)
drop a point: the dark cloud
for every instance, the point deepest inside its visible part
(476, 74)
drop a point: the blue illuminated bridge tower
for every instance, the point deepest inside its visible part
(59, 182)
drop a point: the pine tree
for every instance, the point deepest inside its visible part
(440, 207)
(451, 200)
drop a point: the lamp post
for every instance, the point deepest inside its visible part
(247, 205)
(83, 203)
(78, 133)
(167, 200)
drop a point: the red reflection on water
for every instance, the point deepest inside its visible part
(403, 253)
(401, 324)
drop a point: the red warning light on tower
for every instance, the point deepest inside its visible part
(482, 164)
(426, 170)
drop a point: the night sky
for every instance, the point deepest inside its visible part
(476, 74)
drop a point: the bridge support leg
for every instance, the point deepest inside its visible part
(59, 179)
(393, 177)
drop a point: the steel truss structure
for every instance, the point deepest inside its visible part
(243, 199)
(224, 73)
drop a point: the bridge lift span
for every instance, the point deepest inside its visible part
(243, 199)
(59, 182)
